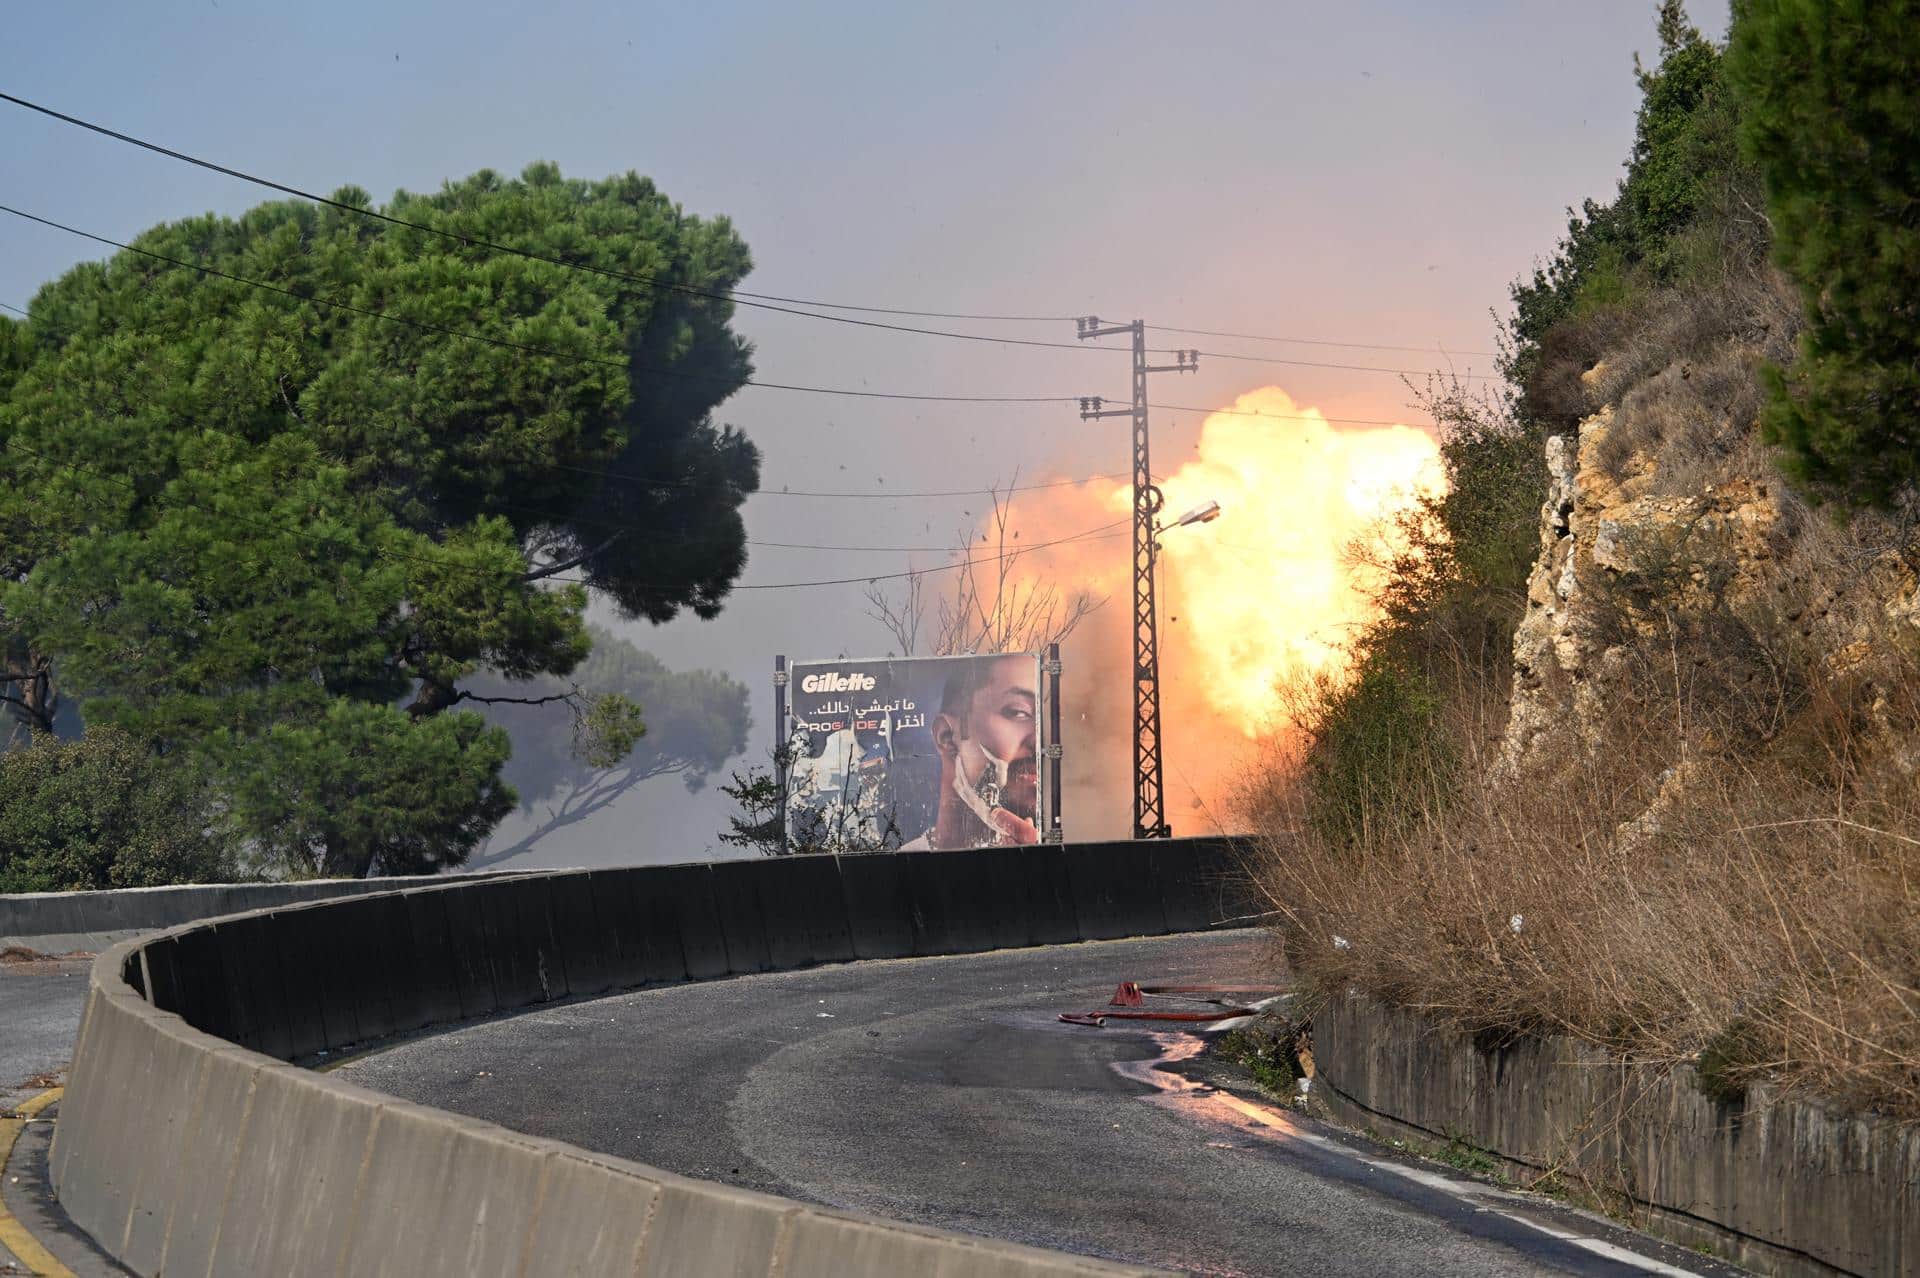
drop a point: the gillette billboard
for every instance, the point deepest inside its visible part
(920, 754)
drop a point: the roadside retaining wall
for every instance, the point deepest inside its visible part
(187, 1145)
(1778, 1185)
(63, 922)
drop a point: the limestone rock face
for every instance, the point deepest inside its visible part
(1599, 527)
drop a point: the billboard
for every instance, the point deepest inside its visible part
(920, 754)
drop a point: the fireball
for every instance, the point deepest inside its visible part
(1267, 593)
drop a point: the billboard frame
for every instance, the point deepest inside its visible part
(1047, 748)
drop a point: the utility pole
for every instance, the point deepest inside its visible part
(1149, 790)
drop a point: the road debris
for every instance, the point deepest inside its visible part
(1130, 997)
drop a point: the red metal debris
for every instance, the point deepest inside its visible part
(1132, 994)
(1207, 989)
(1099, 1019)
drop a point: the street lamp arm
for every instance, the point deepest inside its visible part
(1202, 514)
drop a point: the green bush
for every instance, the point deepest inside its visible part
(1377, 752)
(1830, 97)
(1687, 204)
(105, 812)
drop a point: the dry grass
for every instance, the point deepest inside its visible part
(1724, 869)
(1732, 880)
(1680, 364)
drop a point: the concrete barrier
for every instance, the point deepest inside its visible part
(65, 922)
(1116, 891)
(187, 1145)
(1779, 1185)
(879, 905)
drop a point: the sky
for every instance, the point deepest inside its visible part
(1372, 172)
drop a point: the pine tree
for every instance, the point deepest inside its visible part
(1830, 95)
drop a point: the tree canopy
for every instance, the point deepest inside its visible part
(695, 720)
(1685, 195)
(280, 530)
(106, 812)
(1831, 97)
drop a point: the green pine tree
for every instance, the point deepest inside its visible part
(284, 533)
(1830, 93)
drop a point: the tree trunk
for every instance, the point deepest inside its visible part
(30, 692)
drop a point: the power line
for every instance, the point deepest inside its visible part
(762, 301)
(625, 476)
(1092, 534)
(630, 477)
(868, 494)
(742, 297)
(623, 364)
(1313, 341)
(667, 483)
(533, 350)
(1351, 368)
(946, 492)
(1284, 417)
(622, 525)
(16, 310)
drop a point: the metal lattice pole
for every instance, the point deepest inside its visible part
(1149, 789)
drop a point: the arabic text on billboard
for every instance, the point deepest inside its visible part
(916, 753)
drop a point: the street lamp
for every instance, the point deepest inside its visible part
(1147, 672)
(1204, 513)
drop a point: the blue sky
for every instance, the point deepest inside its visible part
(1375, 171)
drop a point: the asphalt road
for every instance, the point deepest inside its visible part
(944, 1091)
(40, 1003)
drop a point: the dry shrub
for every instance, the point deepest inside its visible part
(1728, 877)
(1557, 393)
(1751, 307)
(1695, 417)
(1683, 367)
(1681, 364)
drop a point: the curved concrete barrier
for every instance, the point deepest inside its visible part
(187, 1144)
(1781, 1186)
(62, 922)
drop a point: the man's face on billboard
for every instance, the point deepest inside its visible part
(1003, 720)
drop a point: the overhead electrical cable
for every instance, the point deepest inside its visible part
(1351, 368)
(1313, 341)
(1097, 533)
(762, 301)
(622, 525)
(780, 492)
(546, 352)
(629, 477)
(1285, 417)
(837, 494)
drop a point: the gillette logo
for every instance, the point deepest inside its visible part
(837, 683)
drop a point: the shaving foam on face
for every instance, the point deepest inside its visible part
(981, 791)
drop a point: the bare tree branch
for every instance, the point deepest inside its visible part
(518, 701)
(1011, 612)
(548, 570)
(902, 619)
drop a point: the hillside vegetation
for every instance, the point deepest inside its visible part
(1633, 753)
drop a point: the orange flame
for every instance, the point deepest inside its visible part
(1268, 591)
(1265, 593)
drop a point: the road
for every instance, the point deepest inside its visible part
(944, 1091)
(40, 1003)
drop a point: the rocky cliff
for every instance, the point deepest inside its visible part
(1672, 571)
